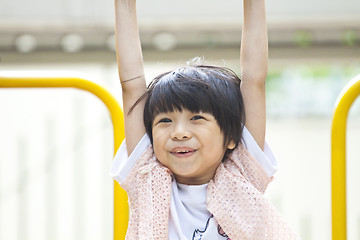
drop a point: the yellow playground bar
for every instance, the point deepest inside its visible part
(338, 157)
(121, 211)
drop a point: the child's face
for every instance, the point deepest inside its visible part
(190, 144)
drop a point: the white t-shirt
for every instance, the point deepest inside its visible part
(189, 218)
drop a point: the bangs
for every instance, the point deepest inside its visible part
(177, 94)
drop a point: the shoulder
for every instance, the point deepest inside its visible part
(139, 167)
(123, 164)
(265, 157)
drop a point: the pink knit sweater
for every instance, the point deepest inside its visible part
(235, 198)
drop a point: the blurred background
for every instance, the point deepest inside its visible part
(56, 146)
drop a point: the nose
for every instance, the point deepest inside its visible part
(180, 132)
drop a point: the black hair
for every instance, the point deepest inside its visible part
(209, 89)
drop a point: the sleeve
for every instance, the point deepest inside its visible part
(266, 158)
(123, 163)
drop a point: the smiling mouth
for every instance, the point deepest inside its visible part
(183, 152)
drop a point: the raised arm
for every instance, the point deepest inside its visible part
(254, 66)
(131, 69)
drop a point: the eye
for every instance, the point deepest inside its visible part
(197, 117)
(164, 120)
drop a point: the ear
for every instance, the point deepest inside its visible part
(231, 145)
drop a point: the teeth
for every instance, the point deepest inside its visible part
(183, 151)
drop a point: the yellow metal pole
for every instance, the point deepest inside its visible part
(338, 157)
(121, 210)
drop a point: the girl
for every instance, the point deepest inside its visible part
(192, 166)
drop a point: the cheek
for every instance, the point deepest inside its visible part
(157, 138)
(160, 154)
(215, 146)
(158, 145)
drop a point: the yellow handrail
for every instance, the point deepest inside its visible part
(338, 157)
(121, 210)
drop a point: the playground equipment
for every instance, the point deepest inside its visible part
(338, 157)
(121, 210)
